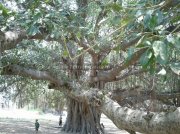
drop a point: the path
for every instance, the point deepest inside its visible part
(22, 122)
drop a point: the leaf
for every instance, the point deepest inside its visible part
(146, 20)
(139, 43)
(116, 20)
(104, 63)
(177, 44)
(125, 21)
(173, 40)
(139, 13)
(80, 48)
(170, 38)
(130, 53)
(4, 10)
(21, 1)
(33, 30)
(162, 72)
(78, 34)
(160, 51)
(57, 34)
(150, 20)
(152, 65)
(52, 35)
(153, 22)
(28, 21)
(114, 6)
(37, 16)
(147, 43)
(46, 1)
(175, 67)
(145, 58)
(159, 16)
(10, 19)
(65, 53)
(156, 47)
(117, 48)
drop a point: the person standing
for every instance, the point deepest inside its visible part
(60, 121)
(37, 125)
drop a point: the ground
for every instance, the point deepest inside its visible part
(22, 122)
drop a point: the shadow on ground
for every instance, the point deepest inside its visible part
(19, 126)
(22, 122)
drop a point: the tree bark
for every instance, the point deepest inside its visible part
(140, 121)
(82, 118)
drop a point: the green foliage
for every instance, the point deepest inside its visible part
(160, 51)
(4, 11)
(104, 25)
(130, 53)
(174, 40)
(152, 19)
(65, 53)
(175, 67)
(104, 63)
(33, 30)
(145, 58)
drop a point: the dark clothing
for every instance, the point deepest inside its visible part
(60, 122)
(37, 126)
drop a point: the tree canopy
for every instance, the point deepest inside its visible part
(97, 52)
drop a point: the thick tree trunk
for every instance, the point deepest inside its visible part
(82, 118)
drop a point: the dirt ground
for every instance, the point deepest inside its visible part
(22, 122)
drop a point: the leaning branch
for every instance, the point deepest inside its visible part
(111, 75)
(132, 61)
(71, 89)
(141, 121)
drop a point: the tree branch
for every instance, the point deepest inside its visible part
(140, 121)
(84, 44)
(121, 94)
(10, 39)
(124, 76)
(33, 74)
(169, 3)
(100, 16)
(111, 75)
(123, 46)
(71, 89)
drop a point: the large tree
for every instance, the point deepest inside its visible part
(81, 46)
